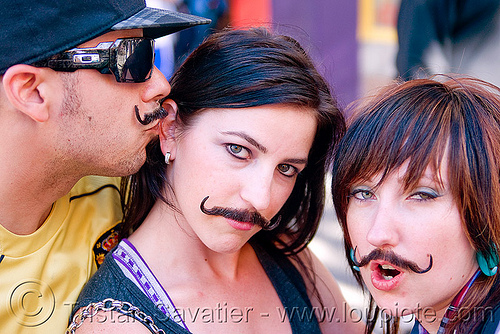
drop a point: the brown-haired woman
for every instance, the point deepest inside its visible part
(417, 192)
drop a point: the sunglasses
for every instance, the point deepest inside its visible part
(129, 59)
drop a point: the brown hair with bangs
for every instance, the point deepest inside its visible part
(421, 122)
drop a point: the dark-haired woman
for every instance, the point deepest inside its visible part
(416, 187)
(232, 192)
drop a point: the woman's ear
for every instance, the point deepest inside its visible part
(167, 129)
(24, 88)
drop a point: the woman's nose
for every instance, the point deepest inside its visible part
(383, 231)
(257, 189)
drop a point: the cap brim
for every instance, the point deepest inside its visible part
(159, 22)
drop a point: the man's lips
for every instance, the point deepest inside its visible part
(385, 276)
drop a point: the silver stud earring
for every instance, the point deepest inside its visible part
(167, 158)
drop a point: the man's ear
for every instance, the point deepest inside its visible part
(168, 127)
(24, 87)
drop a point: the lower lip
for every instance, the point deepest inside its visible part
(380, 283)
(242, 226)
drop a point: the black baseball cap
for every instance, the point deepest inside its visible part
(32, 30)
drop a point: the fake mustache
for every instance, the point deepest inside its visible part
(158, 113)
(392, 258)
(240, 215)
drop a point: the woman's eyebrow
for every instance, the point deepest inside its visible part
(298, 161)
(248, 138)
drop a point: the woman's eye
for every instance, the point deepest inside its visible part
(423, 196)
(362, 194)
(287, 170)
(238, 151)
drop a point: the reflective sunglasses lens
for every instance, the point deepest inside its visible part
(137, 57)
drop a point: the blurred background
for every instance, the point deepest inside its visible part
(358, 45)
(353, 43)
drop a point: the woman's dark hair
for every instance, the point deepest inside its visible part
(240, 69)
(422, 122)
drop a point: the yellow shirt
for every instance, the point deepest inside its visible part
(41, 274)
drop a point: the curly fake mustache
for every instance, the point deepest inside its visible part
(241, 215)
(392, 258)
(158, 113)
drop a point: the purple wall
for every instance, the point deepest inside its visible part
(327, 30)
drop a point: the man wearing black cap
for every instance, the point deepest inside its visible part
(79, 96)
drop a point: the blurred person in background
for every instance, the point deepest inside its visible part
(449, 36)
(216, 10)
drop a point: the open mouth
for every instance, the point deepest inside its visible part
(387, 271)
(385, 276)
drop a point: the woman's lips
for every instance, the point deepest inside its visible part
(385, 276)
(242, 226)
